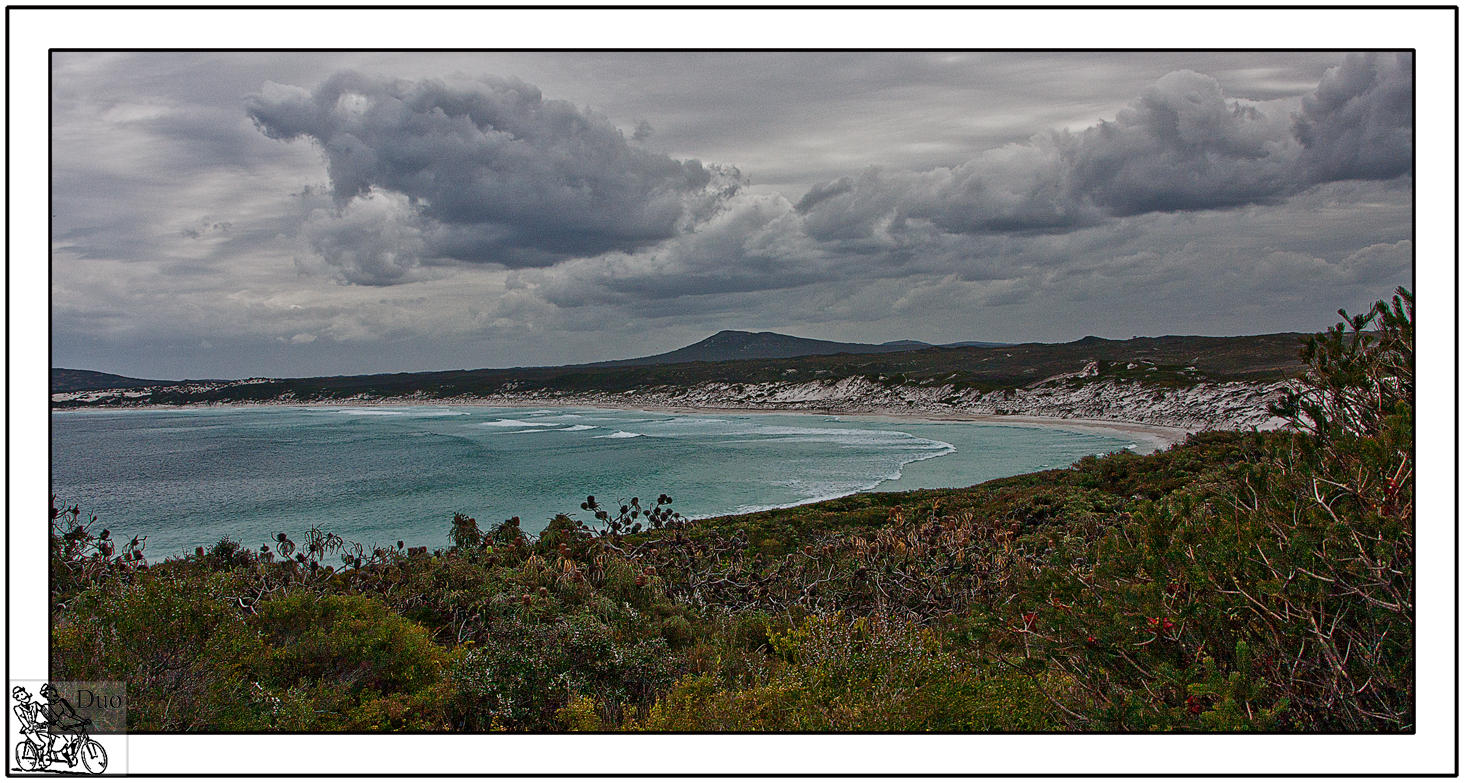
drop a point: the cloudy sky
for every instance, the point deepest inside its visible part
(227, 214)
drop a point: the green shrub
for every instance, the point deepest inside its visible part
(580, 714)
(183, 655)
(859, 675)
(348, 662)
(1275, 595)
(563, 535)
(528, 671)
(354, 642)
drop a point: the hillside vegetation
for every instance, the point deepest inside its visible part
(1174, 361)
(64, 380)
(730, 345)
(1239, 581)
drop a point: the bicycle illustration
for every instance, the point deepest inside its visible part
(53, 733)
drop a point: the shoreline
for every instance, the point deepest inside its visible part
(1148, 438)
(1157, 437)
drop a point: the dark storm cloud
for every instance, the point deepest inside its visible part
(496, 172)
(488, 170)
(1358, 124)
(1183, 145)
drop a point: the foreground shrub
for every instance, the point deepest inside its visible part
(528, 672)
(347, 662)
(184, 656)
(859, 675)
(1280, 599)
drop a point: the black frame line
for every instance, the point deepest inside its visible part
(728, 7)
(573, 7)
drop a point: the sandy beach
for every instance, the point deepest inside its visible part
(1148, 437)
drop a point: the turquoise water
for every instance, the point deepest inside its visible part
(188, 477)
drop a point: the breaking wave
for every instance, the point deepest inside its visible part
(415, 413)
(514, 423)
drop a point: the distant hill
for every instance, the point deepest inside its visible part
(973, 344)
(64, 380)
(1173, 360)
(731, 345)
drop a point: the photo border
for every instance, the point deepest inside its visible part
(10, 382)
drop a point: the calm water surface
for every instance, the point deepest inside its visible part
(189, 477)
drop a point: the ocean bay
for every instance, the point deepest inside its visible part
(188, 477)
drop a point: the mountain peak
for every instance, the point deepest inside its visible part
(731, 344)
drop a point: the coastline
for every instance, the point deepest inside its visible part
(1156, 437)
(1147, 437)
(1159, 414)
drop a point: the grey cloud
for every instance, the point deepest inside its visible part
(1183, 145)
(206, 227)
(489, 171)
(376, 239)
(1012, 221)
(1011, 189)
(196, 137)
(1378, 264)
(825, 191)
(497, 173)
(1145, 274)
(755, 243)
(857, 209)
(1358, 124)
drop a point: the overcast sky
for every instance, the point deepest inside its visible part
(227, 215)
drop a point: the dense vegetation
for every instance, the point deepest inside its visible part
(1174, 361)
(1239, 581)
